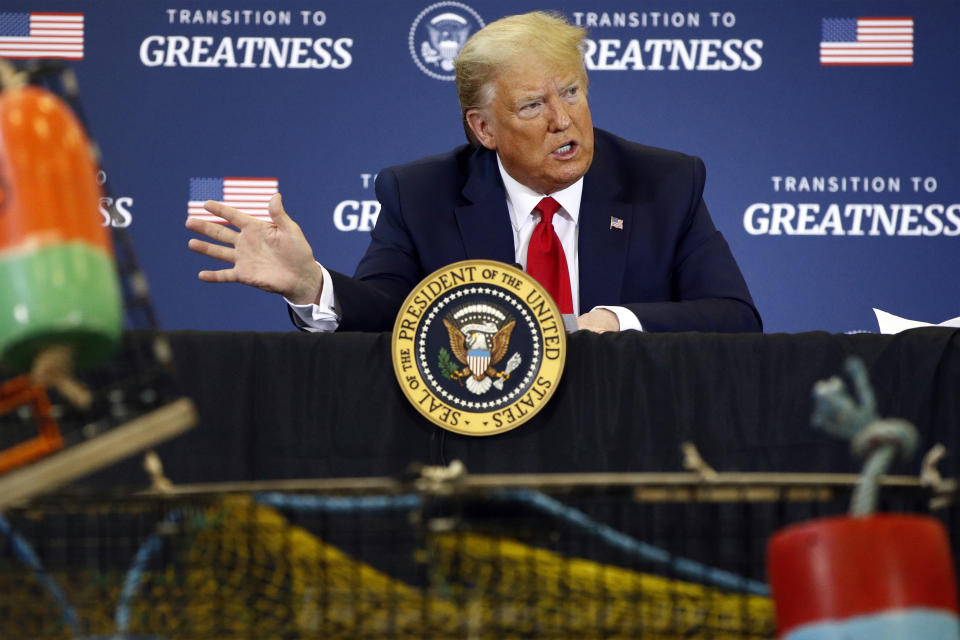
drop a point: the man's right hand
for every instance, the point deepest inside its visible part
(273, 256)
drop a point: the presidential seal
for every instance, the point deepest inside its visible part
(478, 347)
(437, 34)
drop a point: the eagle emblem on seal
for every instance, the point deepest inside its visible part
(447, 32)
(479, 339)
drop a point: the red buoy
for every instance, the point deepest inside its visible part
(860, 578)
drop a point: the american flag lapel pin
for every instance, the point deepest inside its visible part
(616, 223)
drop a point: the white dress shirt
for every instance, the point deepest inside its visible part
(521, 201)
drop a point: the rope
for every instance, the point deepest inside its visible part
(25, 553)
(879, 441)
(643, 550)
(543, 503)
(138, 567)
(298, 502)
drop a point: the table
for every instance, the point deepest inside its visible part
(298, 405)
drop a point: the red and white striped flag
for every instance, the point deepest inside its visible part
(41, 35)
(866, 42)
(250, 195)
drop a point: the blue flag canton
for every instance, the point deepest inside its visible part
(839, 30)
(14, 25)
(206, 189)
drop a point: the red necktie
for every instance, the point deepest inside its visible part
(545, 259)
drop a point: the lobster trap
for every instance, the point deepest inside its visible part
(587, 556)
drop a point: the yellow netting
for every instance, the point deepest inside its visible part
(526, 589)
(245, 571)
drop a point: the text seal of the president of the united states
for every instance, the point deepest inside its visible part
(478, 347)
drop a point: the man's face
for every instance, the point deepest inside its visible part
(539, 123)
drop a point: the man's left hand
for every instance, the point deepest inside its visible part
(599, 321)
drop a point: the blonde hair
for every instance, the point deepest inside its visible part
(547, 35)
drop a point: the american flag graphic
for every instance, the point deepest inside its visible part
(867, 42)
(250, 195)
(41, 35)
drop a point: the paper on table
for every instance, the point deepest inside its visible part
(890, 323)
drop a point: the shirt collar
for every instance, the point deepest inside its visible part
(523, 199)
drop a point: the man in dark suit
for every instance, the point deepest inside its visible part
(635, 237)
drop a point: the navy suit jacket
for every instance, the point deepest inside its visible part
(668, 264)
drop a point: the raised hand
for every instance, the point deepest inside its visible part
(273, 256)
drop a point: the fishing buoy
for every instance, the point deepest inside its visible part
(864, 578)
(60, 304)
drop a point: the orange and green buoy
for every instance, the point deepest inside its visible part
(58, 281)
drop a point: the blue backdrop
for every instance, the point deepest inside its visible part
(320, 96)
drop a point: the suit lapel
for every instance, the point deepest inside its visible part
(602, 252)
(602, 248)
(485, 226)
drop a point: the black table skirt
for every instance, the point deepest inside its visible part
(297, 405)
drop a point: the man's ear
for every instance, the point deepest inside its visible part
(480, 125)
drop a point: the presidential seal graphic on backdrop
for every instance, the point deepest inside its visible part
(478, 347)
(437, 34)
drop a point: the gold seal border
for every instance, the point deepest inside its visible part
(417, 390)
